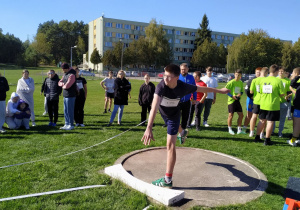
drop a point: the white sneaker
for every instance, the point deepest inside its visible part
(231, 132)
(205, 124)
(77, 124)
(64, 127)
(251, 134)
(292, 144)
(69, 127)
(193, 123)
(33, 124)
(82, 125)
(2, 130)
(262, 136)
(45, 113)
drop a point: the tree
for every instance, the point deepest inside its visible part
(108, 58)
(205, 55)
(95, 57)
(159, 46)
(296, 50)
(221, 56)
(203, 32)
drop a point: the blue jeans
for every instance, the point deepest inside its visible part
(69, 104)
(120, 114)
(283, 112)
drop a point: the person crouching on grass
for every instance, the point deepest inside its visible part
(166, 98)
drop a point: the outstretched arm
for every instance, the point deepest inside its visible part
(209, 89)
(148, 135)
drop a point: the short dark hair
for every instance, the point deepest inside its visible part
(173, 69)
(198, 73)
(184, 64)
(65, 66)
(238, 71)
(273, 68)
(25, 70)
(209, 68)
(282, 67)
(111, 72)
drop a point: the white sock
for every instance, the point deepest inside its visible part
(229, 128)
(251, 132)
(239, 128)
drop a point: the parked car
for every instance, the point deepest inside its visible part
(135, 74)
(230, 77)
(161, 75)
(127, 74)
(86, 73)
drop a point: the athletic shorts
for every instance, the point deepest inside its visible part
(249, 104)
(256, 109)
(235, 107)
(109, 95)
(269, 115)
(292, 109)
(172, 125)
(296, 113)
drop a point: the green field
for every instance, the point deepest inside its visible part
(277, 162)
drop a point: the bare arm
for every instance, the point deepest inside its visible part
(214, 90)
(203, 98)
(148, 135)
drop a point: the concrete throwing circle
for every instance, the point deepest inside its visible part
(208, 178)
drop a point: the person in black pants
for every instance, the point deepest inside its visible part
(80, 99)
(146, 97)
(52, 92)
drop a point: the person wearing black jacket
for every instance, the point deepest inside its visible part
(121, 86)
(80, 99)
(45, 101)
(52, 92)
(3, 89)
(249, 101)
(146, 97)
(295, 84)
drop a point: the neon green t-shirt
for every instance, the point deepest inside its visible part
(235, 87)
(270, 88)
(286, 84)
(255, 88)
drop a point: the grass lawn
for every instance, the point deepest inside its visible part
(277, 162)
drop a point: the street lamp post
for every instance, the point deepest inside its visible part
(121, 40)
(71, 54)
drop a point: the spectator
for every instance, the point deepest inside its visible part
(146, 97)
(122, 87)
(108, 85)
(25, 89)
(11, 109)
(3, 89)
(22, 117)
(52, 92)
(45, 101)
(68, 84)
(80, 99)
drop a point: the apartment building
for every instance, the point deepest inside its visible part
(105, 32)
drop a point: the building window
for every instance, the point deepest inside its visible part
(192, 42)
(137, 28)
(218, 44)
(176, 58)
(170, 40)
(126, 26)
(219, 37)
(108, 34)
(178, 33)
(176, 49)
(108, 24)
(126, 36)
(177, 41)
(136, 36)
(192, 33)
(126, 45)
(94, 36)
(185, 41)
(225, 37)
(119, 25)
(94, 45)
(108, 44)
(213, 36)
(169, 31)
(183, 58)
(231, 38)
(186, 33)
(118, 35)
(185, 49)
(94, 27)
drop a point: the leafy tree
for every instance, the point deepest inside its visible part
(205, 55)
(108, 58)
(221, 56)
(95, 58)
(288, 56)
(296, 50)
(203, 32)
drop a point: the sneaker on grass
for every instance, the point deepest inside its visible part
(291, 143)
(181, 137)
(162, 183)
(241, 132)
(205, 124)
(231, 132)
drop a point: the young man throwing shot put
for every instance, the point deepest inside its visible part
(166, 98)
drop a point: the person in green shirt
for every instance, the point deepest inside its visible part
(283, 100)
(271, 89)
(236, 87)
(255, 90)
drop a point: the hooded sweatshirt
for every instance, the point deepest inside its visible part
(11, 107)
